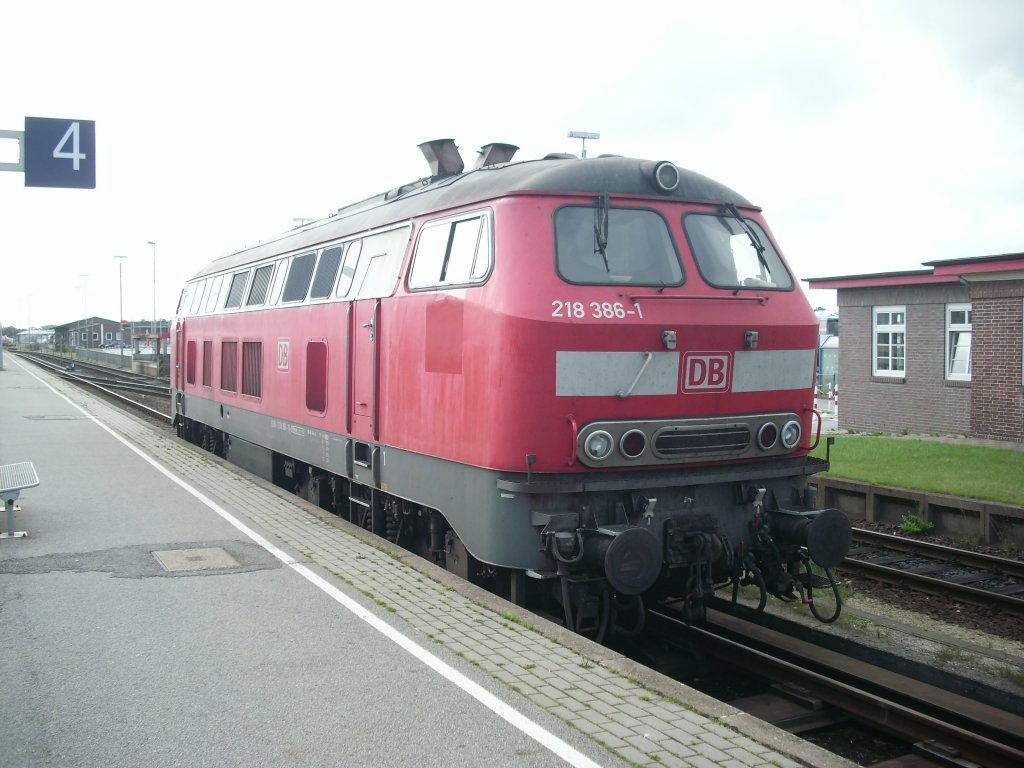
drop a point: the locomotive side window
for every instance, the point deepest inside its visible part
(380, 262)
(615, 246)
(215, 286)
(326, 271)
(275, 290)
(190, 362)
(197, 298)
(237, 290)
(229, 366)
(735, 253)
(252, 368)
(349, 270)
(207, 363)
(452, 253)
(299, 275)
(316, 377)
(260, 286)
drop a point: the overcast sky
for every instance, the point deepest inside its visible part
(875, 135)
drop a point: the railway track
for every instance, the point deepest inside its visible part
(132, 390)
(970, 577)
(813, 688)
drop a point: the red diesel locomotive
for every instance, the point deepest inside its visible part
(589, 380)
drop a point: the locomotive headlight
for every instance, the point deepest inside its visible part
(598, 445)
(791, 434)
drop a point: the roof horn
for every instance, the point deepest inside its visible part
(443, 157)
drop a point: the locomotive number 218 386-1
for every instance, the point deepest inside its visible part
(609, 310)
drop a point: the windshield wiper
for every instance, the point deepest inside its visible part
(601, 229)
(754, 239)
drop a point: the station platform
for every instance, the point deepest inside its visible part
(169, 609)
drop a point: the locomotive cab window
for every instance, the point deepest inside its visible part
(453, 252)
(735, 252)
(598, 245)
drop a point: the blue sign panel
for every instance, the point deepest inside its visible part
(60, 153)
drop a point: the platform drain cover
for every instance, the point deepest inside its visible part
(209, 559)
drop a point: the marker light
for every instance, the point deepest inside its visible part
(767, 436)
(633, 444)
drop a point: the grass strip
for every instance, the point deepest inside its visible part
(955, 469)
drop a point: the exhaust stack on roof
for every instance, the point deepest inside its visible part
(443, 157)
(494, 154)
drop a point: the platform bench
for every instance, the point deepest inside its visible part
(15, 478)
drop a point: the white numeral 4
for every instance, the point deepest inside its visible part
(60, 151)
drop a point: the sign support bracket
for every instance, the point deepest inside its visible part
(18, 136)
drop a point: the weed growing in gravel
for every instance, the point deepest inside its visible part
(915, 524)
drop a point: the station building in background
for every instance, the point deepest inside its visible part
(101, 332)
(936, 350)
(88, 333)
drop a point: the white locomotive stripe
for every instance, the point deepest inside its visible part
(592, 374)
(535, 731)
(769, 370)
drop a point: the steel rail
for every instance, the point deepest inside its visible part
(882, 700)
(65, 374)
(106, 370)
(932, 584)
(1003, 565)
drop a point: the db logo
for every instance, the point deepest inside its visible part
(282, 354)
(705, 372)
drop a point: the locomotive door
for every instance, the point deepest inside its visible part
(179, 349)
(365, 335)
(179, 376)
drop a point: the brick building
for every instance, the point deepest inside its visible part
(937, 350)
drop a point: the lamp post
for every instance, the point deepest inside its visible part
(153, 243)
(120, 298)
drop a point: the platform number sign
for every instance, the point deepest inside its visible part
(60, 153)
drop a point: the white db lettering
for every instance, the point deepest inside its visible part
(706, 373)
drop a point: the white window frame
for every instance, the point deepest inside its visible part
(889, 328)
(958, 328)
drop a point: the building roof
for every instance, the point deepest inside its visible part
(1007, 266)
